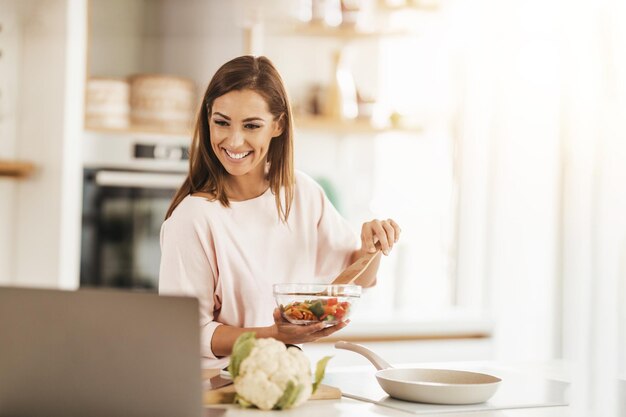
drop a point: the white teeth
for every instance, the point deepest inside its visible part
(237, 155)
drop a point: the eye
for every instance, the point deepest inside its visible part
(220, 122)
(251, 126)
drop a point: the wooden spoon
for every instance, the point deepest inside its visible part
(352, 272)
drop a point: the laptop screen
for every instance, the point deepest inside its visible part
(98, 353)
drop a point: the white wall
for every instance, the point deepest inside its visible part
(71, 177)
(594, 252)
(10, 41)
(116, 41)
(509, 159)
(43, 209)
(594, 257)
(542, 237)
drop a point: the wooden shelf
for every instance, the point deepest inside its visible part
(322, 123)
(139, 130)
(306, 122)
(427, 6)
(342, 32)
(15, 169)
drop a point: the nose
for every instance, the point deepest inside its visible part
(236, 138)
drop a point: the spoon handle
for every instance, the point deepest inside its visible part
(352, 272)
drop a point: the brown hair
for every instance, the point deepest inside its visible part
(206, 173)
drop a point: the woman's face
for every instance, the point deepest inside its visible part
(242, 128)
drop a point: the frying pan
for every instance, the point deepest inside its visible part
(434, 386)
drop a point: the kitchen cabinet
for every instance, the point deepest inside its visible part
(173, 37)
(344, 93)
(362, 41)
(188, 39)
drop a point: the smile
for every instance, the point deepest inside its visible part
(234, 155)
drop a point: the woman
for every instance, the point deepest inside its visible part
(244, 219)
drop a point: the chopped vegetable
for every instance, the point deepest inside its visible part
(328, 310)
(317, 309)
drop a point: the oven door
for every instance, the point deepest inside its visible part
(122, 216)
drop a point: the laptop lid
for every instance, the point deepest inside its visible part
(98, 353)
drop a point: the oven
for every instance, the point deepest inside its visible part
(128, 184)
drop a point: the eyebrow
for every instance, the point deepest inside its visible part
(248, 119)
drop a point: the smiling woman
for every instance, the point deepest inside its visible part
(247, 92)
(242, 129)
(244, 219)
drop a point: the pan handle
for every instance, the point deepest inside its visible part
(376, 360)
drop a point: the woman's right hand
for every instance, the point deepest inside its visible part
(297, 333)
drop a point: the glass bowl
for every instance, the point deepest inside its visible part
(314, 303)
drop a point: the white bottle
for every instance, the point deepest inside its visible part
(341, 100)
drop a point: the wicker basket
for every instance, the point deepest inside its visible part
(161, 101)
(107, 103)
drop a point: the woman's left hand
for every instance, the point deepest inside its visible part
(385, 232)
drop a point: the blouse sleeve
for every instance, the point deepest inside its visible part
(186, 251)
(336, 242)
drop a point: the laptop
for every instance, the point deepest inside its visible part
(98, 353)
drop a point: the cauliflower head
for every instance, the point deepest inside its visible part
(269, 375)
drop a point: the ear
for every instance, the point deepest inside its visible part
(278, 126)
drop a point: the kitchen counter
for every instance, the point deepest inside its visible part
(554, 370)
(350, 408)
(454, 325)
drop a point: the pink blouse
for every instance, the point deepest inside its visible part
(228, 258)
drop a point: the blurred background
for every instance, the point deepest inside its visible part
(494, 132)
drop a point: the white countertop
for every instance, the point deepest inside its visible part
(352, 407)
(347, 407)
(457, 325)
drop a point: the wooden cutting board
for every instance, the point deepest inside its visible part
(226, 395)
